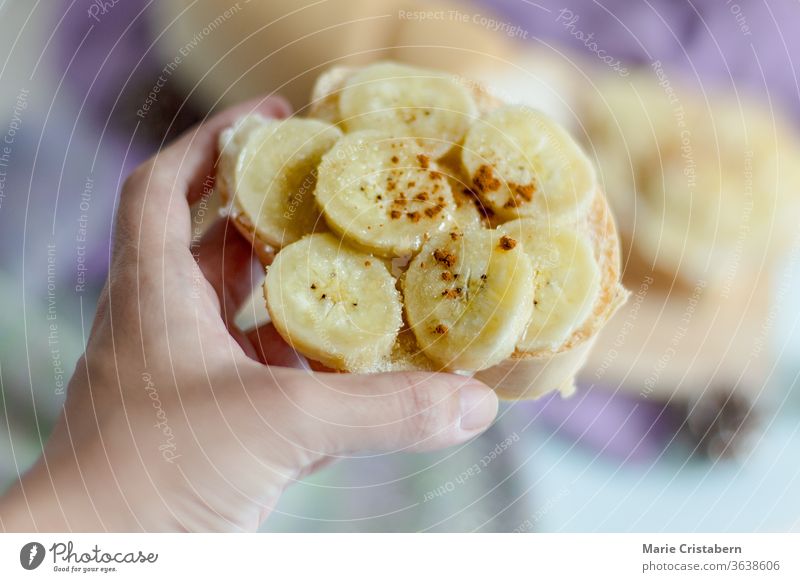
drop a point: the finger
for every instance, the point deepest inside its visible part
(401, 411)
(227, 261)
(156, 196)
(271, 349)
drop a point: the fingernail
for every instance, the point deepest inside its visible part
(478, 406)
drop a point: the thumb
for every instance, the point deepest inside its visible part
(399, 411)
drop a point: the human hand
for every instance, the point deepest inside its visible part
(177, 420)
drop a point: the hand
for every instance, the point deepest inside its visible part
(177, 420)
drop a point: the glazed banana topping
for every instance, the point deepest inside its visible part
(452, 233)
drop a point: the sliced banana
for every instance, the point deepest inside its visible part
(325, 95)
(521, 163)
(408, 101)
(566, 281)
(334, 304)
(384, 194)
(468, 213)
(274, 175)
(468, 298)
(232, 140)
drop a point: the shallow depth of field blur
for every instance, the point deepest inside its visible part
(687, 416)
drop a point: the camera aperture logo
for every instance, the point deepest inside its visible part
(31, 555)
(66, 558)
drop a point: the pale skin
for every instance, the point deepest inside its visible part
(177, 420)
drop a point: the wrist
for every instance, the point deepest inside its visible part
(56, 496)
(94, 488)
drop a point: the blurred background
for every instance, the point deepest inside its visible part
(687, 417)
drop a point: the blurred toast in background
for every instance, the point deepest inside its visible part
(705, 190)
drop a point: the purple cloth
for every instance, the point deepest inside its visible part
(730, 45)
(613, 423)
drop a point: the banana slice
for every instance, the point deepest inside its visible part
(334, 304)
(383, 193)
(231, 142)
(468, 213)
(232, 139)
(566, 281)
(521, 163)
(325, 95)
(273, 176)
(468, 297)
(408, 101)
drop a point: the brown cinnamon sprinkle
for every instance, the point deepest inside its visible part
(440, 329)
(507, 243)
(395, 214)
(424, 161)
(451, 293)
(431, 212)
(484, 179)
(445, 257)
(520, 194)
(447, 276)
(414, 216)
(524, 190)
